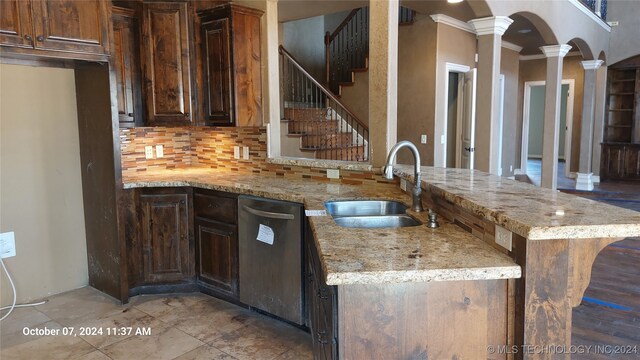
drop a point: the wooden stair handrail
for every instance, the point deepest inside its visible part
(324, 89)
(342, 25)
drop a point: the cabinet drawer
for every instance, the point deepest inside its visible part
(217, 208)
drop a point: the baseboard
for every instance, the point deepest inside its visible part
(518, 172)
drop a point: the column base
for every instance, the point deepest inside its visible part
(584, 182)
(596, 179)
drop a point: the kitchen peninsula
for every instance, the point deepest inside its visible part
(422, 292)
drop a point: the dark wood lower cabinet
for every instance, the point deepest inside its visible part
(321, 305)
(216, 218)
(165, 237)
(217, 249)
(620, 161)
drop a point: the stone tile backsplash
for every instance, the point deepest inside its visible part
(213, 147)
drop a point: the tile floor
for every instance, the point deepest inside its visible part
(184, 327)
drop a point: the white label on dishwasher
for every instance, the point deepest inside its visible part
(315, 212)
(265, 234)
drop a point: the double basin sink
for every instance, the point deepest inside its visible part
(370, 214)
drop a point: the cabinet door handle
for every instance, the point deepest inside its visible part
(28, 37)
(321, 338)
(182, 202)
(187, 114)
(40, 38)
(322, 294)
(268, 214)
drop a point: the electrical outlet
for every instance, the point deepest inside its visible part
(245, 152)
(403, 184)
(236, 152)
(423, 139)
(504, 237)
(7, 245)
(613, 23)
(510, 168)
(148, 152)
(442, 139)
(159, 151)
(333, 173)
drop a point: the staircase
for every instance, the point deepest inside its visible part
(314, 114)
(325, 128)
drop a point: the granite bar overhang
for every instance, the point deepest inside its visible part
(357, 256)
(529, 211)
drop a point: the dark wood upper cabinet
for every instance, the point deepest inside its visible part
(166, 63)
(126, 60)
(165, 237)
(230, 78)
(16, 28)
(56, 28)
(68, 25)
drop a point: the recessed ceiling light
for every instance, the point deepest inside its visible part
(454, 1)
(524, 31)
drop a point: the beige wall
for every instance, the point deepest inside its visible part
(416, 86)
(510, 67)
(40, 184)
(304, 39)
(457, 47)
(535, 70)
(625, 38)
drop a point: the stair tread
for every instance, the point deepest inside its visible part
(364, 69)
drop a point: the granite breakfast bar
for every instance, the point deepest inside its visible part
(450, 291)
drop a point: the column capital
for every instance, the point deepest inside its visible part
(555, 50)
(591, 64)
(491, 25)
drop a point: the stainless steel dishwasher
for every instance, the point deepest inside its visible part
(270, 255)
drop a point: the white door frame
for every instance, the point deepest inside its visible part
(525, 125)
(500, 121)
(460, 69)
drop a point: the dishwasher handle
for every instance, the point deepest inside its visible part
(268, 214)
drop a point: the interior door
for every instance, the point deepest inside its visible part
(467, 142)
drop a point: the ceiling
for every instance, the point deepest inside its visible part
(530, 41)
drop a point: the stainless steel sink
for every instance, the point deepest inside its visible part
(370, 214)
(365, 207)
(384, 221)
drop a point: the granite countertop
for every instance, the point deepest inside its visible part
(532, 212)
(358, 256)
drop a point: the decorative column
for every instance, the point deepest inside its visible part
(551, 127)
(599, 116)
(584, 181)
(273, 79)
(489, 31)
(383, 74)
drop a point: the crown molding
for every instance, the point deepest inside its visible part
(555, 50)
(453, 22)
(491, 25)
(591, 64)
(542, 56)
(511, 46)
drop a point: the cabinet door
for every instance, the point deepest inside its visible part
(72, 26)
(126, 62)
(217, 71)
(217, 247)
(166, 63)
(15, 23)
(165, 237)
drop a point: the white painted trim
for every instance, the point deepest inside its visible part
(584, 182)
(541, 56)
(555, 50)
(568, 124)
(491, 25)
(511, 46)
(501, 85)
(449, 67)
(453, 22)
(591, 64)
(582, 7)
(595, 179)
(518, 172)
